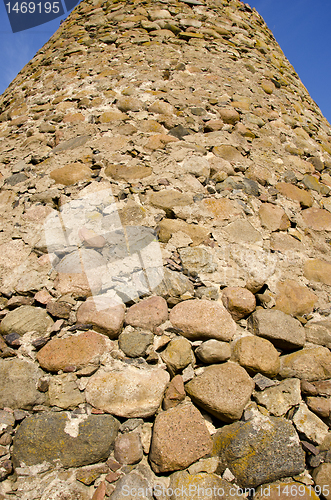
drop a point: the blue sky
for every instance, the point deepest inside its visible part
(301, 27)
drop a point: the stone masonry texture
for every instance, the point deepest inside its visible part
(165, 264)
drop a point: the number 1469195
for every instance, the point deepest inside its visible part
(32, 7)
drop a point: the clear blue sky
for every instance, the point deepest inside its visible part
(301, 27)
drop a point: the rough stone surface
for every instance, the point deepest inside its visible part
(279, 399)
(307, 364)
(148, 313)
(213, 351)
(321, 477)
(107, 319)
(257, 355)
(25, 319)
(281, 490)
(175, 393)
(128, 449)
(273, 217)
(310, 425)
(169, 152)
(77, 350)
(180, 437)
(134, 343)
(318, 270)
(61, 437)
(269, 450)
(223, 390)
(317, 219)
(63, 391)
(280, 328)
(182, 481)
(294, 299)
(178, 354)
(18, 384)
(202, 319)
(240, 302)
(128, 392)
(319, 332)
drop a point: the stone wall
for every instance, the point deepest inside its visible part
(195, 364)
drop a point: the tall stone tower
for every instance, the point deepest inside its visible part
(165, 262)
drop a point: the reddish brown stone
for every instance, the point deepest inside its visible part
(239, 301)
(317, 219)
(294, 193)
(174, 394)
(107, 320)
(58, 309)
(180, 437)
(149, 313)
(78, 350)
(128, 448)
(203, 319)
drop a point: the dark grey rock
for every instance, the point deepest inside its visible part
(259, 451)
(134, 342)
(179, 132)
(16, 179)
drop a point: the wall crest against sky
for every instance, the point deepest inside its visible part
(165, 263)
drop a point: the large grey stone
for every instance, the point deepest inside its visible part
(127, 391)
(222, 390)
(280, 328)
(68, 439)
(259, 451)
(18, 384)
(26, 319)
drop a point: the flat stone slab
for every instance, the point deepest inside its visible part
(64, 438)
